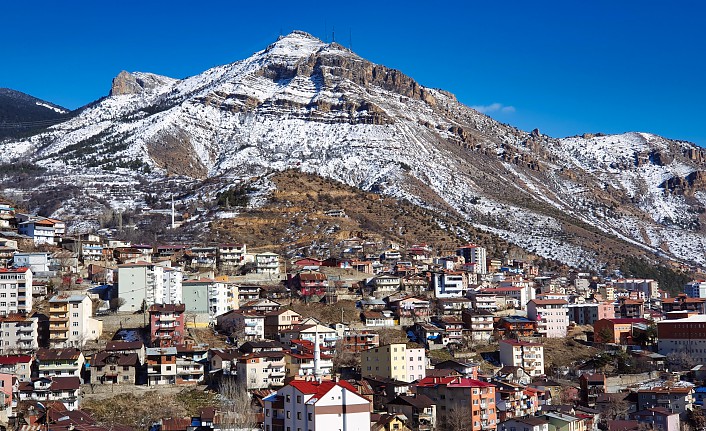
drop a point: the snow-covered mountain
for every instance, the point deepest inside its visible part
(304, 104)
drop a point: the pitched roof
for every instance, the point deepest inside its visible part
(58, 354)
(14, 359)
(124, 359)
(420, 401)
(123, 345)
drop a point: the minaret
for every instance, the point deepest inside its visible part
(317, 358)
(173, 224)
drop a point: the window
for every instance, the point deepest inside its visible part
(75, 305)
(299, 416)
(267, 413)
(311, 416)
(289, 415)
(74, 324)
(299, 399)
(75, 333)
(288, 398)
(75, 314)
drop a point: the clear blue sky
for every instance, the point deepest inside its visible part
(566, 67)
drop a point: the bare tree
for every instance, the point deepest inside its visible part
(459, 419)
(116, 303)
(343, 357)
(235, 408)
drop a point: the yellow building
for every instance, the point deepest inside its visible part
(394, 361)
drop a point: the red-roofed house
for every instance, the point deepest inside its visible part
(17, 365)
(313, 406)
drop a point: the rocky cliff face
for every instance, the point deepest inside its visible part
(137, 83)
(304, 104)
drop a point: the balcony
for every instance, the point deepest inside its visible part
(62, 328)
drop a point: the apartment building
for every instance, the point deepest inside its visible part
(71, 321)
(67, 362)
(19, 366)
(449, 285)
(161, 364)
(66, 390)
(267, 263)
(475, 257)
(684, 336)
(317, 406)
(243, 325)
(262, 370)
(480, 324)
(18, 333)
(209, 297)
(459, 399)
(528, 356)
(551, 315)
(141, 284)
(15, 290)
(677, 399)
(280, 320)
(167, 324)
(394, 361)
(590, 312)
(231, 256)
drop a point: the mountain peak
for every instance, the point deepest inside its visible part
(137, 83)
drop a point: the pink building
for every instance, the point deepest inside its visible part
(6, 389)
(167, 324)
(551, 315)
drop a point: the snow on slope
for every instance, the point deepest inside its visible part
(292, 105)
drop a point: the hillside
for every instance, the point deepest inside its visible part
(321, 109)
(21, 113)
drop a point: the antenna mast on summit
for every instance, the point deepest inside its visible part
(333, 34)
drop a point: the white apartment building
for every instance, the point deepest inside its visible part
(476, 256)
(649, 287)
(172, 287)
(208, 297)
(231, 256)
(148, 283)
(449, 285)
(18, 334)
(15, 290)
(317, 406)
(394, 361)
(71, 322)
(551, 315)
(245, 325)
(528, 356)
(262, 370)
(267, 263)
(36, 261)
(41, 231)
